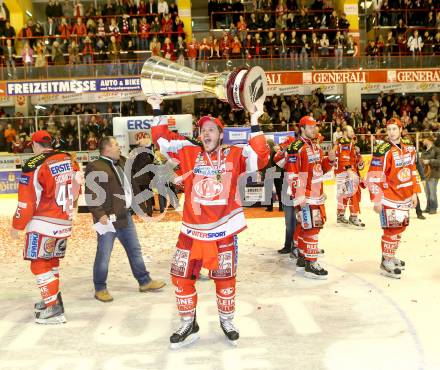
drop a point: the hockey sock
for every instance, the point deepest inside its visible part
(310, 240)
(46, 281)
(56, 267)
(225, 290)
(186, 296)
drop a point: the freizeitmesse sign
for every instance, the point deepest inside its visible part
(72, 86)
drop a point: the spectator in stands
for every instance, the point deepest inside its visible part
(339, 45)
(26, 33)
(27, 56)
(415, 45)
(9, 54)
(73, 51)
(162, 7)
(57, 54)
(192, 51)
(168, 49)
(40, 59)
(325, 51)
(87, 51)
(9, 32)
(304, 52)
(389, 45)
(9, 134)
(114, 51)
(155, 47)
(144, 29)
(17, 145)
(130, 58)
(180, 49)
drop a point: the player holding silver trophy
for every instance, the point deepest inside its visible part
(212, 212)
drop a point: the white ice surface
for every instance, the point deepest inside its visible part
(357, 319)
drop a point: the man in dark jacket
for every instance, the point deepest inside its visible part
(109, 196)
(431, 160)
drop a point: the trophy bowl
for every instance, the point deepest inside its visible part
(242, 88)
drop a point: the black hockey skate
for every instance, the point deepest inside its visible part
(230, 330)
(399, 263)
(41, 306)
(388, 268)
(51, 315)
(356, 223)
(300, 262)
(313, 270)
(341, 221)
(186, 334)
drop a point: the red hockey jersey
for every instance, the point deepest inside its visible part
(392, 177)
(347, 157)
(46, 195)
(212, 208)
(306, 165)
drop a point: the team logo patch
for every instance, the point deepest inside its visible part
(208, 188)
(404, 175)
(376, 162)
(180, 262)
(292, 159)
(317, 170)
(49, 245)
(24, 180)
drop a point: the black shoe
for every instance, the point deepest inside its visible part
(230, 331)
(432, 212)
(285, 250)
(313, 270)
(426, 210)
(186, 334)
(269, 209)
(421, 217)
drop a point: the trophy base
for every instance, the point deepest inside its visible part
(246, 87)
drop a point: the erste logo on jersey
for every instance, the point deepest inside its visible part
(208, 188)
(60, 167)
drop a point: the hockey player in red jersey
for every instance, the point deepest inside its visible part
(348, 182)
(393, 184)
(306, 165)
(46, 194)
(212, 214)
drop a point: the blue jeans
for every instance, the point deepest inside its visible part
(129, 240)
(290, 220)
(431, 194)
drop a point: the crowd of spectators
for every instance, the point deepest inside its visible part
(113, 33)
(307, 36)
(405, 28)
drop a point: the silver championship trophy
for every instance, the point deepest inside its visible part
(241, 88)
